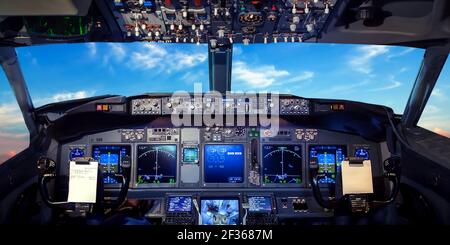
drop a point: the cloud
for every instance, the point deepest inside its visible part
(391, 85)
(305, 75)
(116, 52)
(192, 77)
(439, 94)
(261, 76)
(71, 95)
(13, 133)
(10, 114)
(344, 88)
(6, 155)
(146, 56)
(92, 47)
(62, 96)
(10, 147)
(442, 132)
(400, 54)
(237, 50)
(431, 109)
(151, 56)
(361, 61)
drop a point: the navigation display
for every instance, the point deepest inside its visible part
(282, 164)
(260, 204)
(179, 204)
(109, 158)
(156, 164)
(220, 211)
(224, 163)
(329, 158)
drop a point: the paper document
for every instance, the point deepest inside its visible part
(357, 178)
(83, 182)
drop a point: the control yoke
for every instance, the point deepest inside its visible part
(47, 173)
(358, 202)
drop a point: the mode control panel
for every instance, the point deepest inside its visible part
(148, 106)
(224, 134)
(163, 135)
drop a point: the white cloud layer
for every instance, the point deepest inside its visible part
(62, 96)
(362, 60)
(261, 76)
(92, 48)
(146, 56)
(393, 83)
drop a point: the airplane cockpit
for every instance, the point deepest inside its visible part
(214, 156)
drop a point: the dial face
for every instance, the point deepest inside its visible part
(156, 164)
(362, 153)
(282, 164)
(76, 152)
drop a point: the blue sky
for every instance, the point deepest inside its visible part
(373, 74)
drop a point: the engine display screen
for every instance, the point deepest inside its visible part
(224, 163)
(190, 155)
(179, 204)
(282, 164)
(156, 164)
(109, 158)
(260, 204)
(219, 211)
(329, 158)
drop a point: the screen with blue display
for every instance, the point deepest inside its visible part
(329, 159)
(190, 155)
(109, 158)
(219, 211)
(179, 204)
(224, 163)
(260, 204)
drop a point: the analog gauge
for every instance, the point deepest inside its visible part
(76, 152)
(362, 153)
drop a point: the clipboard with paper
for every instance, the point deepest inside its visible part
(357, 177)
(83, 182)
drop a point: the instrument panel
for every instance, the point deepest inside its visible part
(227, 170)
(249, 104)
(221, 156)
(219, 174)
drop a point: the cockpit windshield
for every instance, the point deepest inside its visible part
(73, 71)
(367, 73)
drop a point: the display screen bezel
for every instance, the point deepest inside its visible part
(337, 167)
(175, 196)
(130, 152)
(155, 185)
(210, 184)
(261, 211)
(303, 165)
(183, 154)
(222, 198)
